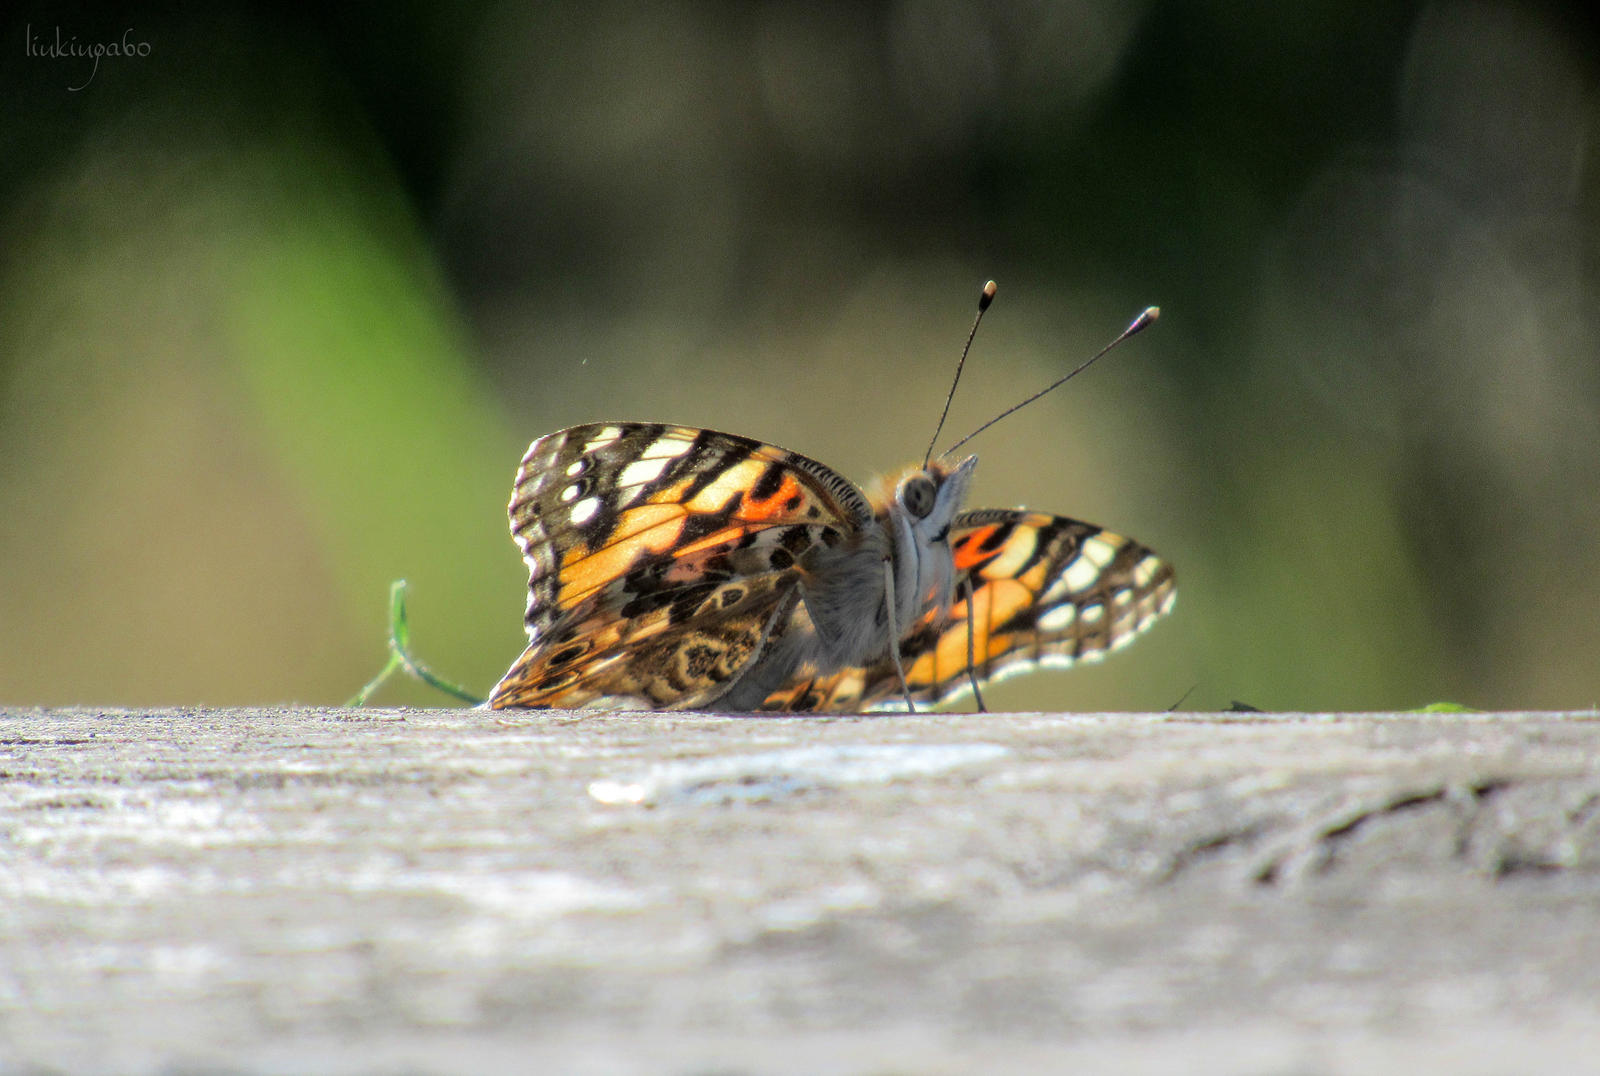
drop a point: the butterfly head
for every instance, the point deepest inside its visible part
(928, 498)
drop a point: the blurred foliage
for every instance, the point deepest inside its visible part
(282, 300)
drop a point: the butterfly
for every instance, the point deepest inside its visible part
(676, 568)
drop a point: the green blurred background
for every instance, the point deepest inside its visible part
(283, 300)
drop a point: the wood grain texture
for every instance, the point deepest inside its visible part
(453, 891)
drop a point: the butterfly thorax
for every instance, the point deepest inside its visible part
(842, 619)
(916, 508)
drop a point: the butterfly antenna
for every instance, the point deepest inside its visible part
(1139, 324)
(984, 299)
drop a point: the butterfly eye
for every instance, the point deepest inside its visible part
(917, 493)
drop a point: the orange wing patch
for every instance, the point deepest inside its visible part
(649, 529)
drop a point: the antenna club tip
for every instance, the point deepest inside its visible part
(987, 297)
(1144, 320)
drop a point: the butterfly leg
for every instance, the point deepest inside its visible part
(972, 672)
(894, 633)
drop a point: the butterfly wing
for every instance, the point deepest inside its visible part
(1046, 591)
(661, 560)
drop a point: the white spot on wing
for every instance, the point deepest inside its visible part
(1144, 571)
(1060, 618)
(569, 494)
(1052, 661)
(666, 448)
(642, 471)
(1080, 574)
(1099, 552)
(585, 509)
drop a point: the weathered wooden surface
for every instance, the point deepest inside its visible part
(339, 891)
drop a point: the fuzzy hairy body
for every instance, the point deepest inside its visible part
(843, 619)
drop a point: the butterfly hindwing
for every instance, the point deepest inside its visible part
(1046, 590)
(661, 560)
(649, 661)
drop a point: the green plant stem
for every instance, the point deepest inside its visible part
(400, 656)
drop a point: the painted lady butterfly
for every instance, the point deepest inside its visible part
(673, 568)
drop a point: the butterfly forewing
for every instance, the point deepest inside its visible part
(661, 559)
(1046, 591)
